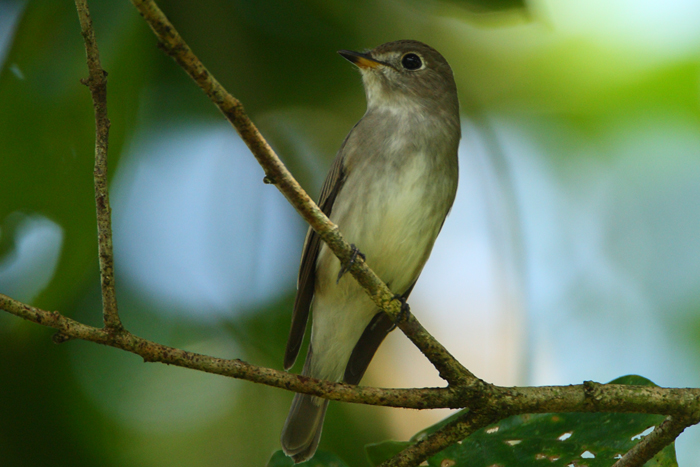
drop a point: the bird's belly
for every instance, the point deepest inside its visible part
(395, 228)
(393, 217)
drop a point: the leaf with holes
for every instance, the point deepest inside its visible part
(564, 439)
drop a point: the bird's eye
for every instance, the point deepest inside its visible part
(411, 62)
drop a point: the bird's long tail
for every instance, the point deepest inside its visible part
(302, 430)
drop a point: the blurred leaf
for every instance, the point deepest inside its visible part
(272, 54)
(47, 125)
(320, 459)
(491, 5)
(41, 401)
(8, 232)
(593, 439)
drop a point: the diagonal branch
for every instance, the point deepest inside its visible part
(446, 436)
(98, 88)
(650, 445)
(275, 172)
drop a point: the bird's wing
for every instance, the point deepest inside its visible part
(367, 346)
(364, 350)
(307, 270)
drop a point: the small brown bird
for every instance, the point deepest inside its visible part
(389, 190)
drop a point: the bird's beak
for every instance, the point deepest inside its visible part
(363, 61)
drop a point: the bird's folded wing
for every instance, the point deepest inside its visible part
(307, 270)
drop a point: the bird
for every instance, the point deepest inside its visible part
(389, 190)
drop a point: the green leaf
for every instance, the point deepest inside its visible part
(320, 459)
(634, 380)
(590, 439)
(665, 458)
(379, 452)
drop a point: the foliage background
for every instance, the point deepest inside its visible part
(571, 253)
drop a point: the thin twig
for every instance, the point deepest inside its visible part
(98, 88)
(275, 172)
(441, 439)
(650, 445)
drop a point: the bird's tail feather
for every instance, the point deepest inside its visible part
(302, 430)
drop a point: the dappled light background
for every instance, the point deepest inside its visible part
(572, 252)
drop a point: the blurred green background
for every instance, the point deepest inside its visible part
(572, 252)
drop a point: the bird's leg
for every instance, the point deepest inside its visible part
(346, 267)
(404, 313)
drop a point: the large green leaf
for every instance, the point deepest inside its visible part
(590, 439)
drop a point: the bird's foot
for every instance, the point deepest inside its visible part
(403, 314)
(346, 267)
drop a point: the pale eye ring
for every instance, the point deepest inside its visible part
(411, 61)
